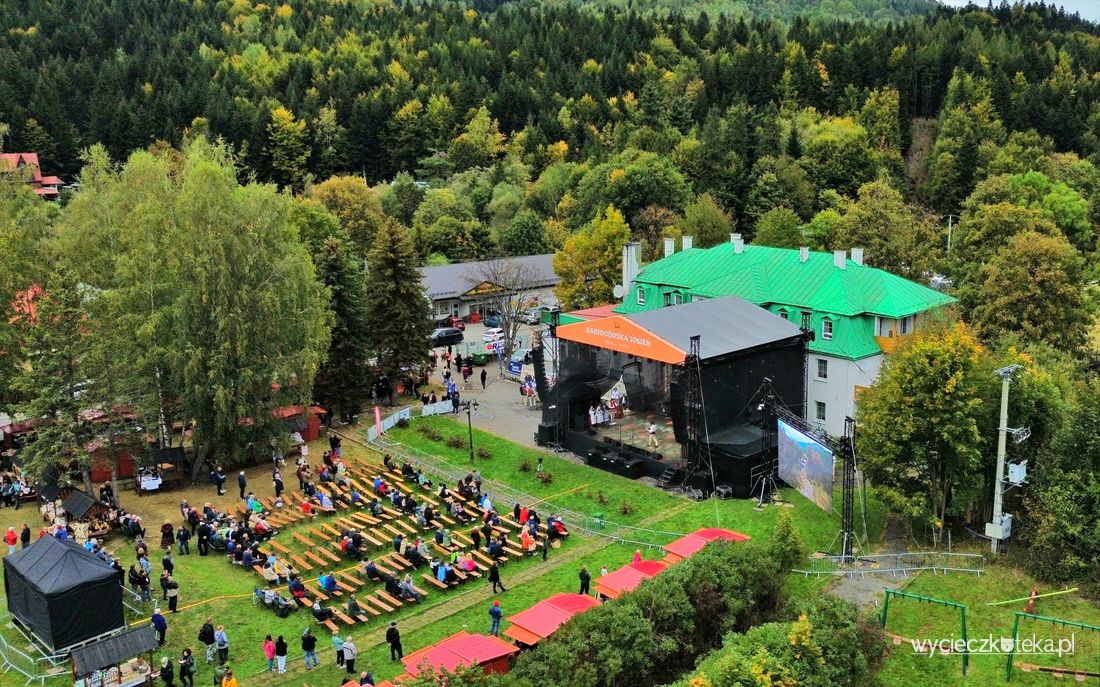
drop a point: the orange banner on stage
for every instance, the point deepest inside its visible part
(617, 333)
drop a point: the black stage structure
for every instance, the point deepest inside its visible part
(696, 368)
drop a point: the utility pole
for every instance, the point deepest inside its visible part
(950, 226)
(995, 529)
(471, 408)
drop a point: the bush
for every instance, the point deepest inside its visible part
(525, 466)
(546, 477)
(786, 544)
(430, 432)
(455, 442)
(484, 453)
(403, 422)
(626, 507)
(601, 498)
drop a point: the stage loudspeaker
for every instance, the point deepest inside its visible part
(676, 408)
(547, 433)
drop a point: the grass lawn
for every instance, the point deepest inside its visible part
(915, 620)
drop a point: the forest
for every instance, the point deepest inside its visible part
(961, 145)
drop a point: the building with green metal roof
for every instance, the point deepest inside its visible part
(858, 313)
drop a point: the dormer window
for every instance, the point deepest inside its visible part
(827, 329)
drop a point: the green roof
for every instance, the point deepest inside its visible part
(766, 275)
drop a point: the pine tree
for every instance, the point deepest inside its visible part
(343, 382)
(396, 305)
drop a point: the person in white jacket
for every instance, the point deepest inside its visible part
(350, 651)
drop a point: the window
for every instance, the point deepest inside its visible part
(827, 329)
(678, 298)
(822, 368)
(819, 410)
(668, 299)
(784, 315)
(905, 325)
(641, 296)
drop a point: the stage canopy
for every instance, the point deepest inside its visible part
(627, 578)
(726, 325)
(461, 649)
(61, 593)
(114, 650)
(544, 618)
(690, 544)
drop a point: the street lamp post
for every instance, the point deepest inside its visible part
(470, 407)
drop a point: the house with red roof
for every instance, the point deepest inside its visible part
(47, 187)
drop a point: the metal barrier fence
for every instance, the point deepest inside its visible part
(895, 564)
(590, 524)
(33, 669)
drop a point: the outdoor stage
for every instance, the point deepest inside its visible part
(643, 357)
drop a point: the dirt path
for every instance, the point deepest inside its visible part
(868, 590)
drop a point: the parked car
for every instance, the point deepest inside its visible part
(492, 321)
(493, 335)
(534, 315)
(453, 321)
(446, 336)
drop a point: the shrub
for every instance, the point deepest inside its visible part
(403, 422)
(455, 442)
(484, 453)
(430, 432)
(601, 498)
(786, 544)
(626, 507)
(546, 477)
(525, 466)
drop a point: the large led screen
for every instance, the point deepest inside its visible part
(806, 465)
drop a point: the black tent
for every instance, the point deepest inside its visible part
(61, 593)
(77, 503)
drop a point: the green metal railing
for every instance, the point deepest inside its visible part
(919, 598)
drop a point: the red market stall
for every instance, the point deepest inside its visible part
(538, 622)
(462, 649)
(297, 419)
(627, 578)
(690, 544)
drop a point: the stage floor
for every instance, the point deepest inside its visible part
(631, 431)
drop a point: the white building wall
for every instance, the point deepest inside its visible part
(837, 391)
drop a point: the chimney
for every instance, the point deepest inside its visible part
(840, 259)
(803, 254)
(686, 242)
(631, 265)
(734, 238)
(670, 247)
(738, 245)
(857, 256)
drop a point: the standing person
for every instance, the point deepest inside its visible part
(269, 653)
(277, 479)
(183, 540)
(494, 577)
(229, 680)
(219, 479)
(221, 639)
(545, 547)
(350, 652)
(204, 538)
(206, 636)
(25, 537)
(280, 654)
(219, 675)
(167, 536)
(187, 668)
(484, 376)
(160, 625)
(495, 614)
(475, 534)
(167, 673)
(393, 638)
(338, 645)
(538, 471)
(585, 579)
(309, 649)
(172, 588)
(242, 482)
(652, 429)
(10, 538)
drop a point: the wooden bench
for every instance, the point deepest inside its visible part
(379, 603)
(323, 536)
(354, 582)
(389, 599)
(302, 565)
(331, 626)
(316, 559)
(330, 529)
(344, 586)
(316, 592)
(330, 555)
(279, 547)
(480, 557)
(303, 539)
(400, 559)
(343, 618)
(434, 582)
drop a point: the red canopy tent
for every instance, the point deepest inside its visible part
(544, 618)
(462, 648)
(627, 578)
(689, 544)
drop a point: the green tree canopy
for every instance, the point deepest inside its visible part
(356, 206)
(779, 227)
(589, 262)
(706, 222)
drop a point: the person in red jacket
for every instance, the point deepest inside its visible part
(11, 537)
